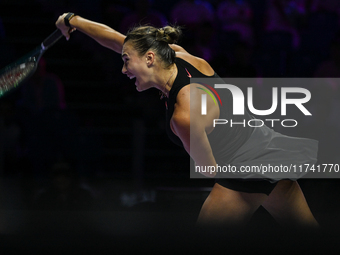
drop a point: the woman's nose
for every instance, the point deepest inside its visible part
(124, 70)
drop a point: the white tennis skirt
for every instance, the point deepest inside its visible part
(270, 155)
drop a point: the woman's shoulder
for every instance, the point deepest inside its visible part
(199, 63)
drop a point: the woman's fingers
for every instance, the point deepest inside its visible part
(65, 30)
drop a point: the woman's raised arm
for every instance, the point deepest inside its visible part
(103, 34)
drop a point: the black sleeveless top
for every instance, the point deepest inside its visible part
(224, 139)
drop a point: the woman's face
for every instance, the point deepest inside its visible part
(136, 66)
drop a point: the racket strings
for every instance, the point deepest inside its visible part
(15, 75)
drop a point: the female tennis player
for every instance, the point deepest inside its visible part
(151, 56)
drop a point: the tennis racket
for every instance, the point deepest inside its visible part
(16, 73)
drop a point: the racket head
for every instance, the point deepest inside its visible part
(16, 73)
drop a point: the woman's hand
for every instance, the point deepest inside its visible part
(65, 30)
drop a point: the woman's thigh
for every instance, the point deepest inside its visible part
(224, 206)
(287, 204)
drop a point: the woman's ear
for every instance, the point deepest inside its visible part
(150, 58)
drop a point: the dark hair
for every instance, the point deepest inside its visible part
(158, 39)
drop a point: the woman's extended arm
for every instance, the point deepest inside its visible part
(103, 34)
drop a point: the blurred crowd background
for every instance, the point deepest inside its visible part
(78, 136)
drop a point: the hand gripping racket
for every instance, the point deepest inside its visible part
(16, 73)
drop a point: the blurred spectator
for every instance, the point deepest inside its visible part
(44, 91)
(321, 27)
(325, 5)
(318, 35)
(282, 15)
(258, 8)
(114, 13)
(331, 66)
(205, 43)
(142, 15)
(236, 15)
(191, 13)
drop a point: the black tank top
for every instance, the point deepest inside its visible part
(224, 140)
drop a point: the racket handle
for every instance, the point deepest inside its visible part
(51, 39)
